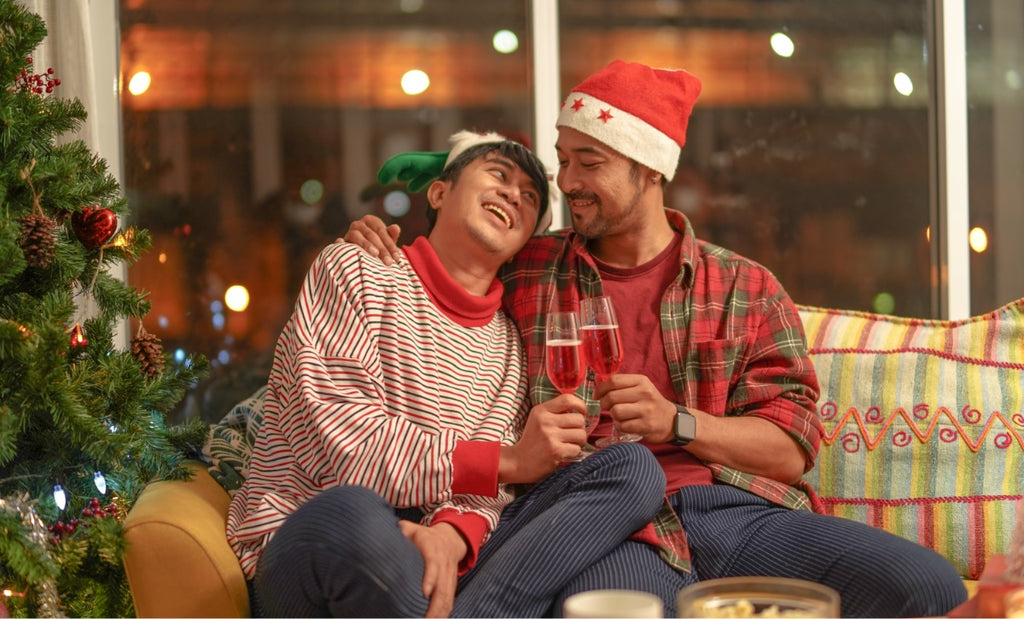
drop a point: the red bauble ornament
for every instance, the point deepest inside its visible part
(94, 226)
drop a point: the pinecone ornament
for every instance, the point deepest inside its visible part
(38, 239)
(148, 350)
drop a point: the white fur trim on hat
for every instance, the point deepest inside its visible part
(464, 140)
(621, 131)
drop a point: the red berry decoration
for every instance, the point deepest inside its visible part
(94, 226)
(30, 82)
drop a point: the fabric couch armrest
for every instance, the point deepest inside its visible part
(178, 560)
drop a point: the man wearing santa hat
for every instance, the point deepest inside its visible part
(715, 375)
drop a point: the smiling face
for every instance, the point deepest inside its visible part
(491, 203)
(605, 190)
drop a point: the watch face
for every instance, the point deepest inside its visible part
(685, 429)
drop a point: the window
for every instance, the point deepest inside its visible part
(811, 149)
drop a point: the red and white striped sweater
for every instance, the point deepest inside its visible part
(394, 378)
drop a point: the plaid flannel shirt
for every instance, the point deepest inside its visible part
(734, 343)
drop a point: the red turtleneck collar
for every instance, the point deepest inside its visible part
(451, 298)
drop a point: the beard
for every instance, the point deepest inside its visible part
(604, 222)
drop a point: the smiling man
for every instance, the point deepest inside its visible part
(396, 413)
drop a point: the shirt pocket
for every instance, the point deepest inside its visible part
(717, 363)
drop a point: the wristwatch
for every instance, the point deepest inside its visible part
(684, 427)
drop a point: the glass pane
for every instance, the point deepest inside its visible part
(259, 136)
(816, 163)
(995, 108)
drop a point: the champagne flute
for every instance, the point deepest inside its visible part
(563, 355)
(602, 346)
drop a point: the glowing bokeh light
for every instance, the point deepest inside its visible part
(978, 239)
(505, 41)
(236, 298)
(903, 84)
(311, 191)
(415, 82)
(782, 45)
(139, 83)
(883, 303)
(397, 203)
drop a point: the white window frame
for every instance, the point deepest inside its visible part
(953, 289)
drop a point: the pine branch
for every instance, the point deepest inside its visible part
(20, 30)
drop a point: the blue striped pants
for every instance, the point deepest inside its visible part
(342, 553)
(734, 533)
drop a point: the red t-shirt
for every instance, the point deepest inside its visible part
(643, 351)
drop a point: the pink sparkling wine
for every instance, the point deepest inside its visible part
(603, 348)
(564, 364)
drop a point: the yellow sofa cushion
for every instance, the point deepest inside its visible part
(178, 561)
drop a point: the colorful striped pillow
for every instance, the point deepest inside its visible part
(924, 426)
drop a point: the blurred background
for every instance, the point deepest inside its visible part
(252, 131)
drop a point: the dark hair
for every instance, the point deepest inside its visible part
(516, 152)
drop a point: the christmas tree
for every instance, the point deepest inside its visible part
(81, 417)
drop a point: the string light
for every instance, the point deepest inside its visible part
(78, 337)
(60, 497)
(124, 241)
(100, 481)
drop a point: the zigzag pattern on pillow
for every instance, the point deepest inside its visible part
(871, 428)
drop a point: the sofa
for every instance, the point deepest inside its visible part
(924, 437)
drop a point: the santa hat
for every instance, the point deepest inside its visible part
(639, 111)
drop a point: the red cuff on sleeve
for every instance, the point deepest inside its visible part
(475, 468)
(472, 527)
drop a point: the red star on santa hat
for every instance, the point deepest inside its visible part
(577, 104)
(605, 115)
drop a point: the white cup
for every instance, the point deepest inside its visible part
(613, 603)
